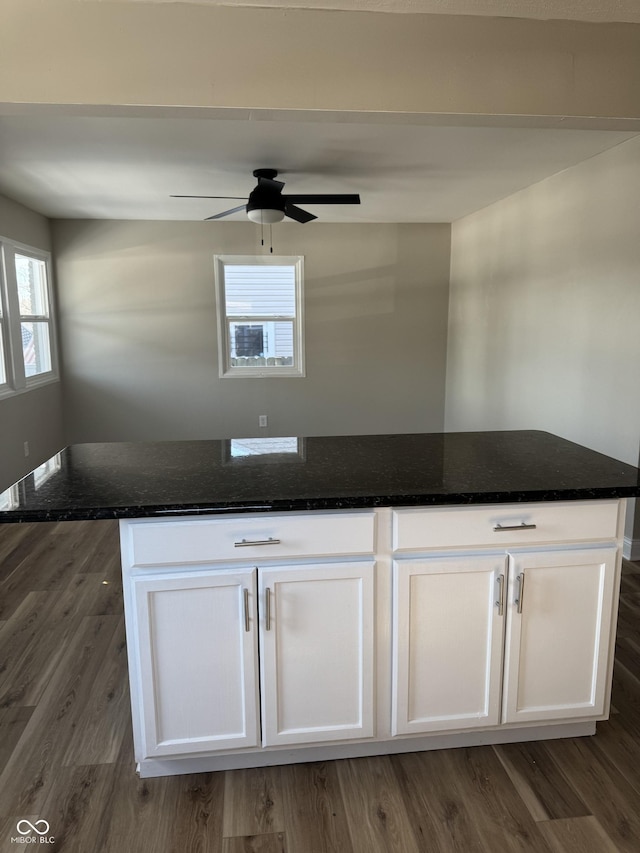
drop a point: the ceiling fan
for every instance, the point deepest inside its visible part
(267, 204)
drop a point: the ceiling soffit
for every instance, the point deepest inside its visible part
(600, 11)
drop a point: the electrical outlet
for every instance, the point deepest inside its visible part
(262, 420)
(26, 448)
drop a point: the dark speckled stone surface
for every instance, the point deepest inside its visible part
(128, 480)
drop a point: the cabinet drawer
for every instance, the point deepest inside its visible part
(531, 524)
(247, 537)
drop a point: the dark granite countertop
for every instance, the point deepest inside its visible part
(128, 480)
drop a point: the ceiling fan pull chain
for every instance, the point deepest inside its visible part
(270, 240)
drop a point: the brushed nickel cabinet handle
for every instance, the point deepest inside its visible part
(245, 543)
(246, 610)
(500, 600)
(267, 594)
(518, 600)
(499, 527)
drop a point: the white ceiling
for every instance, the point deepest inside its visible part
(125, 166)
(79, 166)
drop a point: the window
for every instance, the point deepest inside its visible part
(10, 499)
(241, 447)
(27, 334)
(33, 297)
(3, 357)
(42, 473)
(259, 301)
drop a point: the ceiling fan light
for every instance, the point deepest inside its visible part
(265, 215)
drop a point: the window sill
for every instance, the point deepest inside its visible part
(7, 392)
(262, 373)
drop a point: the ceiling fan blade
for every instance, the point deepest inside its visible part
(227, 212)
(297, 213)
(209, 196)
(324, 199)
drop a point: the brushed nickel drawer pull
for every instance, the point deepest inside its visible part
(500, 601)
(246, 609)
(245, 543)
(520, 596)
(499, 528)
(267, 594)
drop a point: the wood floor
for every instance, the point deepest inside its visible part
(66, 749)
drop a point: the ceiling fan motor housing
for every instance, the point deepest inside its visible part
(266, 204)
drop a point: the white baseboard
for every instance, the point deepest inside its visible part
(152, 767)
(631, 549)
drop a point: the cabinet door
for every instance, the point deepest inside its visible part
(197, 661)
(561, 607)
(448, 630)
(316, 652)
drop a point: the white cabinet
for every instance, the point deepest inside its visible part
(316, 653)
(196, 637)
(279, 651)
(500, 525)
(266, 536)
(263, 638)
(196, 640)
(560, 612)
(448, 630)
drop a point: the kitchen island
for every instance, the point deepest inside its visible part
(299, 599)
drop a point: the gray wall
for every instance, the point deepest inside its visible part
(36, 415)
(137, 308)
(544, 308)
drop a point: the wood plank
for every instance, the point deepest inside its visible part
(376, 813)
(626, 696)
(313, 807)
(103, 552)
(19, 644)
(16, 542)
(12, 723)
(622, 748)
(253, 802)
(108, 598)
(100, 728)
(171, 814)
(272, 843)
(193, 806)
(502, 819)
(630, 583)
(76, 807)
(539, 781)
(37, 634)
(478, 807)
(45, 563)
(609, 796)
(628, 653)
(629, 615)
(436, 803)
(577, 835)
(33, 766)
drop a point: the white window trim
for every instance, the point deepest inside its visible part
(225, 369)
(17, 381)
